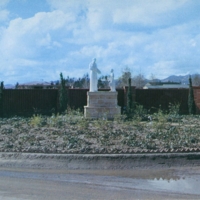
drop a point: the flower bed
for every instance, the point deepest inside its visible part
(72, 133)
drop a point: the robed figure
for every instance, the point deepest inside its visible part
(112, 81)
(93, 75)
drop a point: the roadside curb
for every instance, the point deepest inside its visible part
(99, 161)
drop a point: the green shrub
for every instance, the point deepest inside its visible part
(130, 100)
(1, 99)
(191, 102)
(36, 120)
(139, 111)
(62, 95)
(174, 109)
(160, 119)
(129, 110)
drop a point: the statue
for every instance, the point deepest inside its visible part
(112, 81)
(93, 75)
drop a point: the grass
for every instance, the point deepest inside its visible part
(72, 133)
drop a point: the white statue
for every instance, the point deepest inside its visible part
(93, 75)
(112, 81)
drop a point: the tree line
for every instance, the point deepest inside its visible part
(138, 80)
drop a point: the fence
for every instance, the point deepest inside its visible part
(29, 101)
(152, 99)
(45, 101)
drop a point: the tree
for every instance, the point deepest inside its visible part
(129, 98)
(139, 81)
(69, 81)
(100, 83)
(17, 85)
(123, 80)
(57, 83)
(85, 81)
(103, 82)
(191, 102)
(153, 77)
(78, 83)
(196, 80)
(62, 94)
(1, 98)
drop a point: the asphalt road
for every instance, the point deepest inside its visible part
(52, 184)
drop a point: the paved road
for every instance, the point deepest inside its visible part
(28, 184)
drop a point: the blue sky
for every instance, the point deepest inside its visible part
(41, 38)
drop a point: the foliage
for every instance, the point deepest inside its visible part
(17, 85)
(36, 120)
(196, 80)
(103, 82)
(139, 111)
(174, 110)
(191, 102)
(138, 81)
(72, 133)
(123, 80)
(160, 120)
(153, 77)
(62, 95)
(81, 82)
(1, 98)
(129, 99)
(85, 81)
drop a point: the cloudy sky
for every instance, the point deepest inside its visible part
(41, 38)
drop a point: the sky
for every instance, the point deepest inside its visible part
(39, 39)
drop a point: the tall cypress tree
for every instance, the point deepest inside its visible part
(1, 99)
(191, 102)
(129, 97)
(62, 94)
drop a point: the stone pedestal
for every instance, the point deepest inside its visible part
(102, 104)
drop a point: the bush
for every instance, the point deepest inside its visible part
(191, 102)
(62, 95)
(1, 99)
(129, 111)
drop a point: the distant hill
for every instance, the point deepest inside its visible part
(182, 79)
(174, 78)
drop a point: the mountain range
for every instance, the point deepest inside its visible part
(181, 79)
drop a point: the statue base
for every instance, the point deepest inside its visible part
(101, 104)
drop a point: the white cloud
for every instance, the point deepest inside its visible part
(24, 36)
(163, 68)
(146, 12)
(67, 6)
(4, 15)
(24, 41)
(45, 41)
(101, 14)
(3, 3)
(150, 36)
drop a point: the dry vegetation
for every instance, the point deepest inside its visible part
(72, 133)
